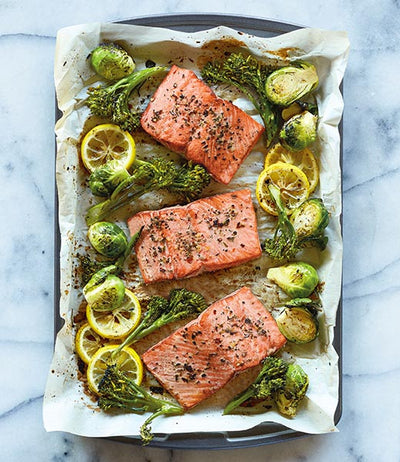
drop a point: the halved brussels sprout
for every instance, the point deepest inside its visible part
(288, 84)
(297, 279)
(299, 131)
(310, 218)
(108, 239)
(298, 325)
(107, 295)
(111, 61)
(296, 384)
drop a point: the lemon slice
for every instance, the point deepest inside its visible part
(107, 142)
(87, 342)
(304, 160)
(291, 181)
(117, 323)
(127, 361)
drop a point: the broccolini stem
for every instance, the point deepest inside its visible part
(247, 394)
(102, 210)
(166, 409)
(132, 337)
(121, 260)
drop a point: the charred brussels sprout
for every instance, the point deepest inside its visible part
(309, 221)
(289, 397)
(111, 61)
(299, 131)
(297, 279)
(106, 295)
(298, 324)
(107, 239)
(288, 84)
(103, 180)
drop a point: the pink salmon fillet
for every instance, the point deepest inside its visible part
(206, 235)
(185, 115)
(230, 336)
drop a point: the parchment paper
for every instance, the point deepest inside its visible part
(66, 405)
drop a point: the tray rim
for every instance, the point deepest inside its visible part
(212, 440)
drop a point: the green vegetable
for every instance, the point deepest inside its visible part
(112, 101)
(182, 303)
(88, 266)
(309, 221)
(105, 291)
(103, 180)
(111, 61)
(283, 383)
(269, 380)
(187, 180)
(288, 84)
(107, 239)
(289, 397)
(305, 228)
(299, 131)
(118, 391)
(248, 75)
(298, 324)
(297, 279)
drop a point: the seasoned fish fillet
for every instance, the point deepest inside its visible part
(206, 235)
(230, 336)
(186, 116)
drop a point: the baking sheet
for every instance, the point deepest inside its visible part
(329, 190)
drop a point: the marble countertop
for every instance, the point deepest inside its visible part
(370, 424)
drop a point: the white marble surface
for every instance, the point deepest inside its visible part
(370, 425)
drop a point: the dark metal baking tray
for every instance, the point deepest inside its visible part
(267, 432)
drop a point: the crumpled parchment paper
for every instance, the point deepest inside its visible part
(66, 405)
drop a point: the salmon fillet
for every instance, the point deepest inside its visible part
(231, 335)
(186, 116)
(206, 235)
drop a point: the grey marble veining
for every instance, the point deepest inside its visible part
(370, 425)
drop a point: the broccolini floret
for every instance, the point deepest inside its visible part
(112, 101)
(283, 383)
(117, 391)
(270, 379)
(181, 304)
(187, 180)
(248, 75)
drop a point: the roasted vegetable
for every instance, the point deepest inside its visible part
(119, 392)
(298, 324)
(105, 179)
(270, 379)
(278, 381)
(182, 303)
(108, 239)
(289, 397)
(88, 266)
(187, 180)
(297, 279)
(309, 221)
(111, 61)
(248, 75)
(105, 291)
(112, 101)
(299, 131)
(290, 83)
(305, 228)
